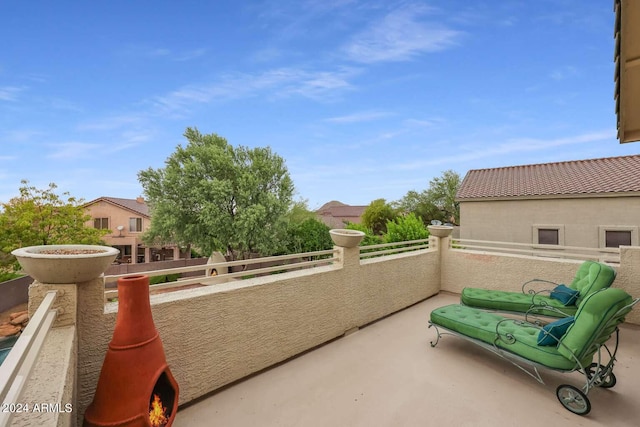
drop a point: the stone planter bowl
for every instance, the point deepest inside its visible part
(346, 238)
(440, 230)
(65, 263)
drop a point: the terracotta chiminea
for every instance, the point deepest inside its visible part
(136, 387)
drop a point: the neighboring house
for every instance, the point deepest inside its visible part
(127, 219)
(627, 70)
(587, 203)
(337, 215)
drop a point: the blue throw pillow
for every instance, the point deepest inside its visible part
(555, 329)
(565, 295)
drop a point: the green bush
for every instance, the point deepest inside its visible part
(164, 279)
(406, 228)
(369, 237)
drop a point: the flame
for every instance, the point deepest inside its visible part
(157, 412)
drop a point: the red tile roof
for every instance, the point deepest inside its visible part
(572, 178)
(136, 205)
(335, 214)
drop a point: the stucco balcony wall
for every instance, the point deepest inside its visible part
(219, 334)
(508, 272)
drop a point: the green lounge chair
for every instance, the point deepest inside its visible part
(529, 345)
(561, 301)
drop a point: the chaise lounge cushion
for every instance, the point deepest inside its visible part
(590, 277)
(589, 329)
(512, 301)
(595, 321)
(481, 325)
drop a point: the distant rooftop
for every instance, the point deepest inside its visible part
(136, 205)
(605, 176)
(335, 214)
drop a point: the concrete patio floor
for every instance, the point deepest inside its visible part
(387, 374)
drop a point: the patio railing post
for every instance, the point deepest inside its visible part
(628, 277)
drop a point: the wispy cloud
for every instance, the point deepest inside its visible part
(165, 53)
(73, 150)
(400, 36)
(365, 116)
(563, 73)
(510, 146)
(109, 123)
(20, 135)
(277, 83)
(10, 93)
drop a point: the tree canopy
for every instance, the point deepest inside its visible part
(376, 216)
(42, 217)
(219, 197)
(436, 202)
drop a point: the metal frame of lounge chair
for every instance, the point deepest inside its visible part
(572, 398)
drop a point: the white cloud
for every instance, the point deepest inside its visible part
(277, 83)
(510, 146)
(400, 36)
(365, 116)
(10, 93)
(564, 73)
(72, 150)
(163, 52)
(109, 123)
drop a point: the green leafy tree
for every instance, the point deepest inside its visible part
(305, 233)
(308, 236)
(376, 216)
(42, 217)
(219, 197)
(442, 193)
(420, 205)
(406, 228)
(369, 237)
(436, 202)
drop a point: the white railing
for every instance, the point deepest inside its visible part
(20, 361)
(609, 255)
(393, 248)
(282, 262)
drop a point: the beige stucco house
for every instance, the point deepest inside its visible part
(589, 203)
(127, 219)
(337, 214)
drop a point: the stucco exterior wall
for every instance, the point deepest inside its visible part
(507, 272)
(513, 220)
(216, 335)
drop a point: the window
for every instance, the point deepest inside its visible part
(616, 238)
(548, 236)
(101, 223)
(135, 225)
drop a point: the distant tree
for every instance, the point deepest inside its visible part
(420, 205)
(442, 193)
(369, 237)
(219, 197)
(308, 236)
(42, 217)
(299, 211)
(405, 228)
(376, 216)
(436, 202)
(305, 233)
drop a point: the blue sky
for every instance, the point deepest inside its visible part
(363, 99)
